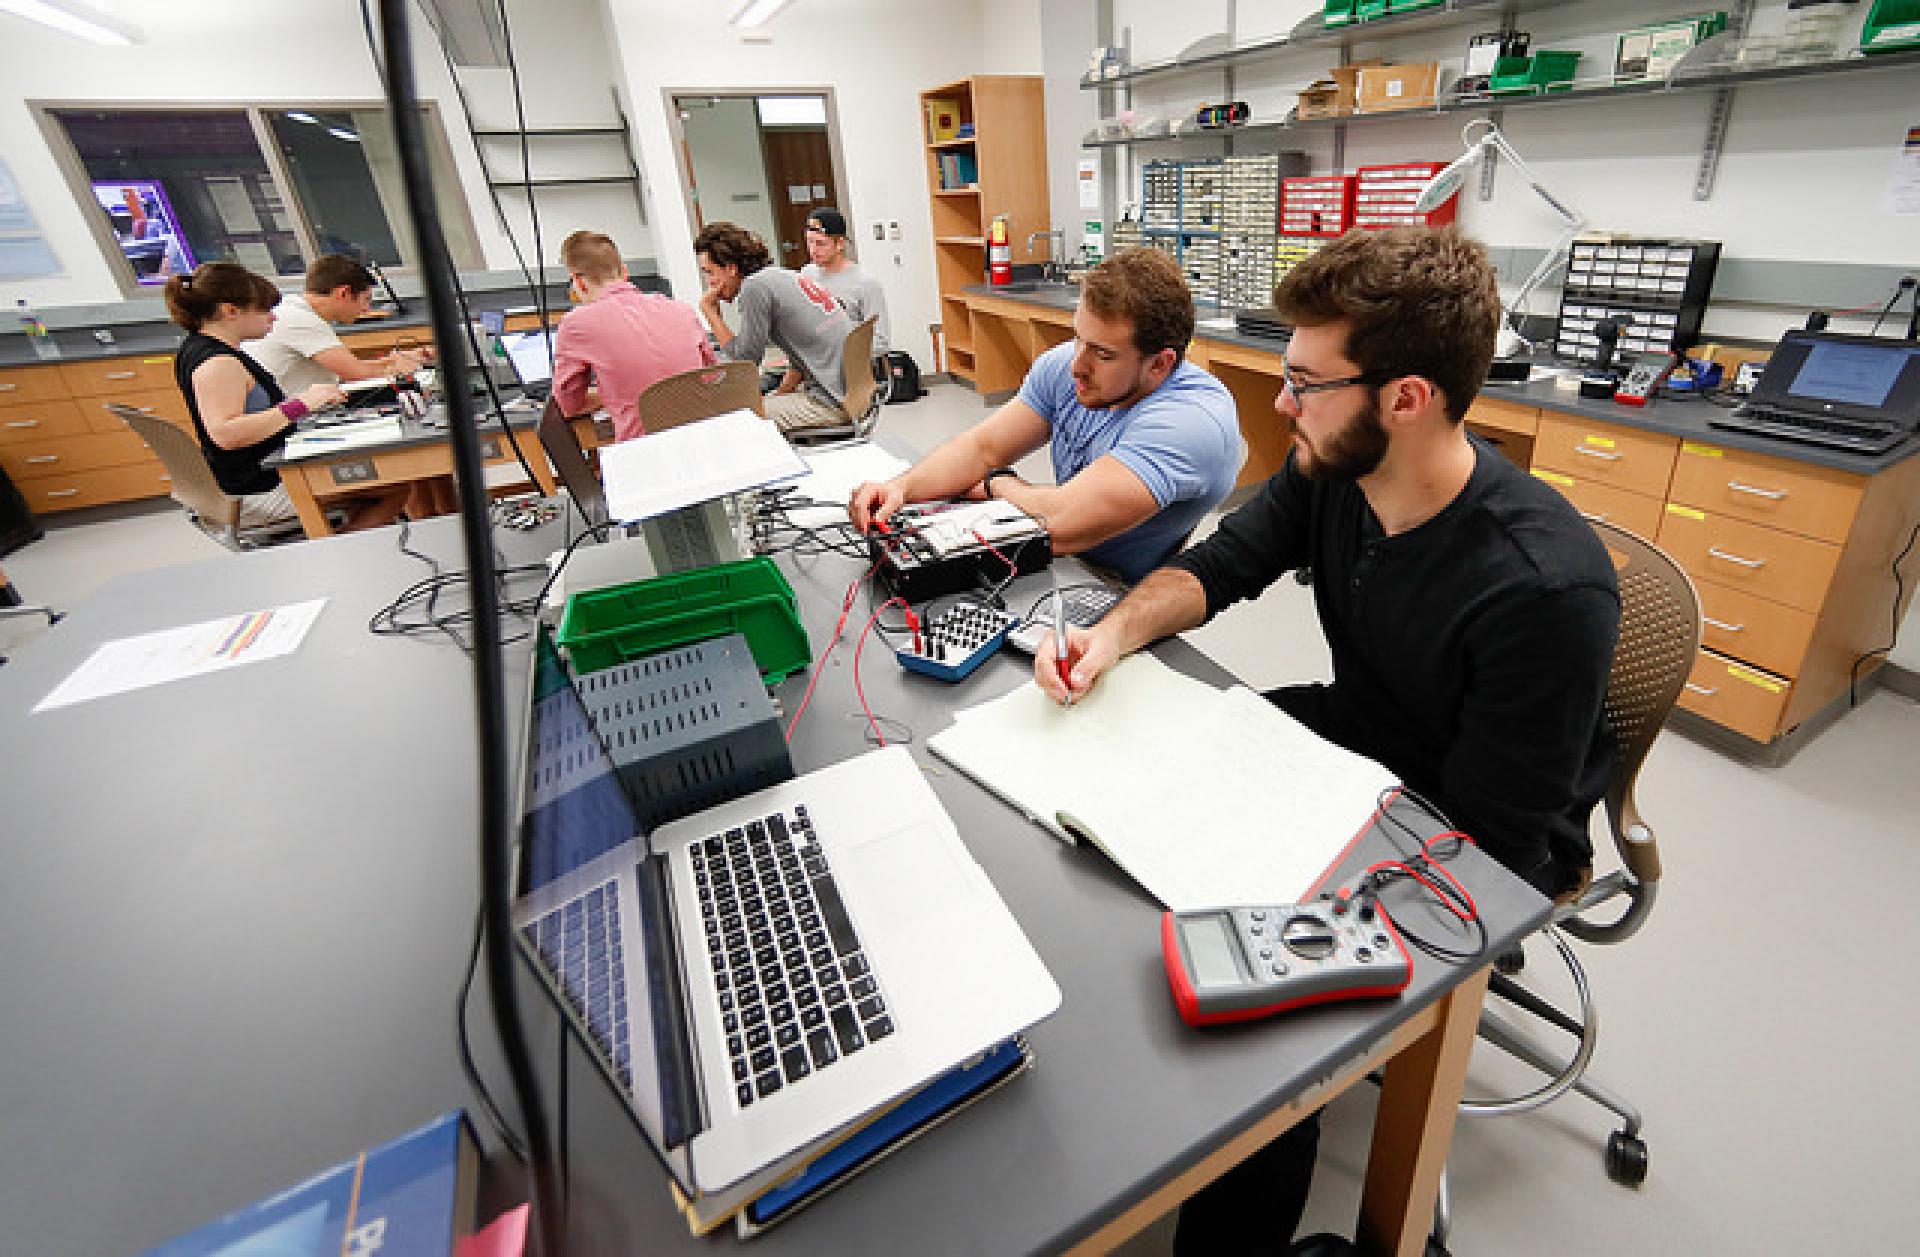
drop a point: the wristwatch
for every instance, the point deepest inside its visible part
(986, 481)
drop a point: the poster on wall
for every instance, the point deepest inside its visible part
(144, 225)
(24, 252)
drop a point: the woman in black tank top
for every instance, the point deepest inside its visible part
(240, 415)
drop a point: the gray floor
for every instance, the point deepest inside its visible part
(1757, 1027)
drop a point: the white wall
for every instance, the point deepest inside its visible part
(723, 140)
(876, 55)
(1010, 35)
(201, 52)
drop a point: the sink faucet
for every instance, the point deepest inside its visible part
(1054, 268)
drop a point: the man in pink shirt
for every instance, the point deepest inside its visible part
(619, 339)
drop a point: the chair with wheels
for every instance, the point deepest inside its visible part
(216, 513)
(863, 400)
(700, 393)
(1659, 638)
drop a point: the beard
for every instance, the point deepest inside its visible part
(1350, 453)
(1086, 397)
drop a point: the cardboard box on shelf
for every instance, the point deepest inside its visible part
(1318, 100)
(1388, 87)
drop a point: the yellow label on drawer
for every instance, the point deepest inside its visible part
(1704, 451)
(156, 362)
(1685, 512)
(1602, 442)
(1553, 477)
(1751, 677)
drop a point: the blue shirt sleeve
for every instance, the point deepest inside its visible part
(1176, 453)
(1049, 382)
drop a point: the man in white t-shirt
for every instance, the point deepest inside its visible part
(303, 349)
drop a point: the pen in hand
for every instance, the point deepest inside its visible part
(1060, 645)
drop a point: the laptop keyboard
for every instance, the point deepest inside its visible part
(580, 941)
(1816, 423)
(795, 990)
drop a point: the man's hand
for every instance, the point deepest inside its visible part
(404, 362)
(874, 502)
(1090, 653)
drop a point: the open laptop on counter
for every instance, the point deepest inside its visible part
(1860, 394)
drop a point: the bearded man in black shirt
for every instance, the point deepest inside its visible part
(1470, 611)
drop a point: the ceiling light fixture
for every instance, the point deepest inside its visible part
(307, 118)
(756, 12)
(76, 19)
(341, 133)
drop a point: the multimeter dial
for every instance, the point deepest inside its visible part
(1308, 936)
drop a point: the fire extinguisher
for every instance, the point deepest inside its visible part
(999, 252)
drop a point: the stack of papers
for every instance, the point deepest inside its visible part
(695, 463)
(342, 436)
(1208, 798)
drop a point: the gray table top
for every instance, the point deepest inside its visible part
(1683, 417)
(240, 908)
(431, 430)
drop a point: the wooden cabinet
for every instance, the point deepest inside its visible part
(1606, 453)
(60, 445)
(1006, 154)
(1509, 427)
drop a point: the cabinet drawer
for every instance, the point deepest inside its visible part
(1765, 634)
(1798, 497)
(118, 375)
(36, 421)
(1744, 699)
(31, 384)
(1635, 512)
(162, 403)
(56, 456)
(1626, 458)
(1503, 416)
(94, 488)
(1739, 555)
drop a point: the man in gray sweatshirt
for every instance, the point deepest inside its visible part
(781, 306)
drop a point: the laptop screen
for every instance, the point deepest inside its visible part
(1859, 376)
(531, 359)
(573, 811)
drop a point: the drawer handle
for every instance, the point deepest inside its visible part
(143, 410)
(8, 388)
(1771, 495)
(63, 493)
(44, 458)
(1602, 454)
(121, 375)
(1591, 518)
(1718, 553)
(1723, 626)
(1702, 690)
(23, 423)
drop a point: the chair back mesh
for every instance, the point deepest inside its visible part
(700, 393)
(1659, 639)
(193, 485)
(856, 373)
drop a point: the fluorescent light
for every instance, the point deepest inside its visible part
(307, 118)
(341, 133)
(71, 18)
(756, 12)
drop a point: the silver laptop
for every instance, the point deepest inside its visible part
(532, 361)
(1855, 393)
(760, 975)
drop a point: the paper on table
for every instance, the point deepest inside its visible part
(832, 476)
(694, 463)
(1205, 797)
(134, 663)
(341, 436)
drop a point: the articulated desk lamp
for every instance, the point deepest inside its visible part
(1479, 136)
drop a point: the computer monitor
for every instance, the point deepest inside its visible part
(532, 359)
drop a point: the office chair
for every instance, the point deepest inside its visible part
(11, 607)
(700, 393)
(1659, 639)
(192, 484)
(863, 397)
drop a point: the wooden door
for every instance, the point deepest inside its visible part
(799, 179)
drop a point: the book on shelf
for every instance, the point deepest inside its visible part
(414, 1195)
(958, 171)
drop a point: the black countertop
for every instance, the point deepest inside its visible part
(1686, 419)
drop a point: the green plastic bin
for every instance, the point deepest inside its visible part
(1544, 71)
(605, 627)
(1338, 12)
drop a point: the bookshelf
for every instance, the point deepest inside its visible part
(998, 168)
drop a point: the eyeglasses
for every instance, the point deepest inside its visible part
(1291, 385)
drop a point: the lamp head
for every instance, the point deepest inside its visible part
(1442, 186)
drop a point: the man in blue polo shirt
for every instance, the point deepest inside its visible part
(1143, 442)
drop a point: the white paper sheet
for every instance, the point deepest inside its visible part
(134, 663)
(694, 463)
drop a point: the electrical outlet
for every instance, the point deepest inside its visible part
(879, 231)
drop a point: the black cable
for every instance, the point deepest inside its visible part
(508, 1136)
(489, 670)
(1893, 635)
(1886, 309)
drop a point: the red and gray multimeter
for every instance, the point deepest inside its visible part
(1238, 964)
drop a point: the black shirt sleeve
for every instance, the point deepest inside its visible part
(1255, 545)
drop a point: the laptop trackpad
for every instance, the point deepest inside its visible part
(897, 876)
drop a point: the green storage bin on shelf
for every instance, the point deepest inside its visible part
(1338, 12)
(604, 627)
(1370, 8)
(1545, 71)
